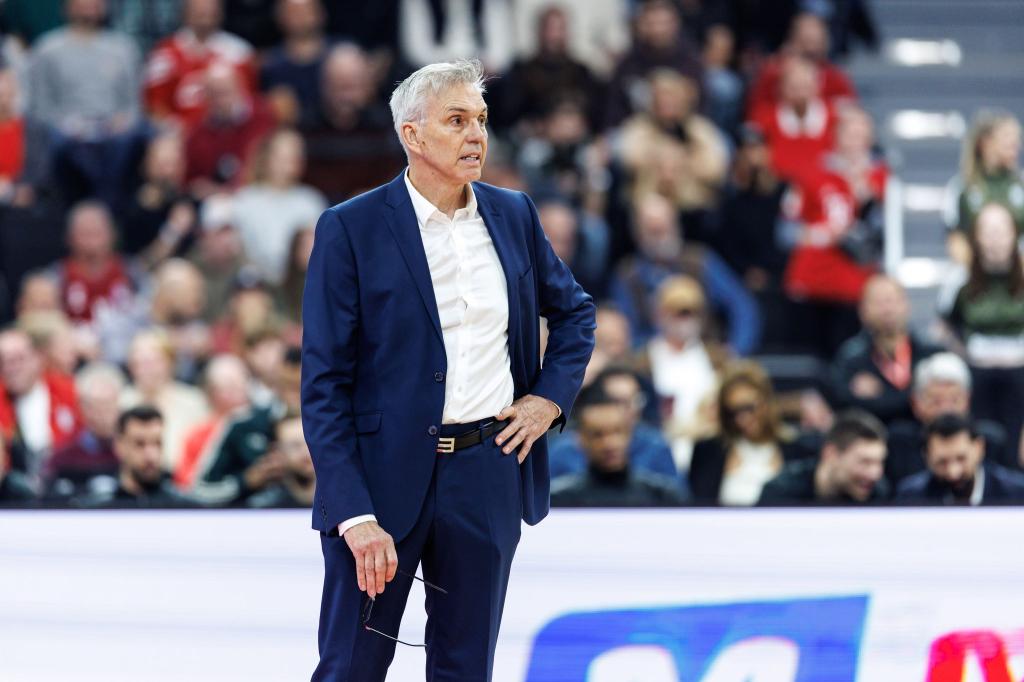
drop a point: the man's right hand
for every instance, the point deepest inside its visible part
(375, 555)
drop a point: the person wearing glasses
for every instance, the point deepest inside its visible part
(752, 444)
(424, 403)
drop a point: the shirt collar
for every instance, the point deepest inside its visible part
(425, 210)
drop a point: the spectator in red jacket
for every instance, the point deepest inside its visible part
(38, 408)
(93, 274)
(800, 127)
(218, 149)
(175, 71)
(808, 39)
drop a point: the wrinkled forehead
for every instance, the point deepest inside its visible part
(464, 98)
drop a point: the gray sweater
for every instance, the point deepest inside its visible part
(80, 83)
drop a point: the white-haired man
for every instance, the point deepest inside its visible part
(942, 385)
(423, 400)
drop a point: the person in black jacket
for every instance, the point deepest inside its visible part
(752, 444)
(141, 483)
(873, 370)
(605, 428)
(942, 384)
(848, 471)
(957, 473)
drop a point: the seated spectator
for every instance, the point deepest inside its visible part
(85, 90)
(291, 72)
(93, 275)
(353, 146)
(942, 385)
(808, 39)
(799, 127)
(989, 173)
(648, 449)
(264, 352)
(837, 219)
(39, 410)
(752, 444)
(612, 341)
(241, 464)
(15, 488)
(748, 233)
(88, 463)
(177, 306)
(558, 157)
(610, 480)
(250, 310)
(141, 482)
(670, 149)
(874, 369)
(661, 253)
(957, 472)
(597, 30)
(218, 253)
(432, 31)
(176, 71)
(682, 367)
(658, 42)
(289, 300)
(39, 293)
(62, 348)
(298, 483)
(533, 84)
(226, 382)
(151, 366)
(274, 206)
(579, 240)
(23, 147)
(988, 318)
(158, 215)
(219, 146)
(723, 87)
(847, 472)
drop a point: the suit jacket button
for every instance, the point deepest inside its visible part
(432, 430)
(438, 377)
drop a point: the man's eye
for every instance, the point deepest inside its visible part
(457, 120)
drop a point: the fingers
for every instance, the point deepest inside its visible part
(514, 442)
(360, 571)
(370, 574)
(392, 557)
(380, 568)
(509, 432)
(524, 451)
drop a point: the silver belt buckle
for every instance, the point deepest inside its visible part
(446, 445)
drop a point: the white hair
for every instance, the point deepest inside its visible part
(409, 100)
(96, 373)
(947, 367)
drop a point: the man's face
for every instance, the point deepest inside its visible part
(940, 397)
(809, 37)
(856, 470)
(91, 235)
(955, 461)
(604, 434)
(884, 308)
(657, 229)
(100, 407)
(451, 141)
(20, 364)
(292, 445)
(626, 389)
(300, 17)
(203, 16)
(612, 336)
(140, 448)
(559, 225)
(289, 385)
(658, 26)
(86, 12)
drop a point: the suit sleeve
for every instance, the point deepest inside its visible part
(330, 314)
(570, 314)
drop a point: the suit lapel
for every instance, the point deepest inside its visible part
(401, 220)
(495, 223)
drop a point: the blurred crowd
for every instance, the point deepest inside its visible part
(704, 167)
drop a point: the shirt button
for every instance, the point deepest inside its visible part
(438, 377)
(432, 431)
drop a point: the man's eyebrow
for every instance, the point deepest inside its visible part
(455, 108)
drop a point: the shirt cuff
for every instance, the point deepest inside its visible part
(354, 521)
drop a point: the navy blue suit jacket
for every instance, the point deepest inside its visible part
(373, 357)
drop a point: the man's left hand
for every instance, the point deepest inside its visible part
(531, 417)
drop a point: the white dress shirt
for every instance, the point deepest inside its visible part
(472, 304)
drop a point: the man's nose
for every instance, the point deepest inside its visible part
(475, 131)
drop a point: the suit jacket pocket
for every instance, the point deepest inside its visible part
(367, 422)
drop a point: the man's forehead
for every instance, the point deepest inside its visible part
(464, 97)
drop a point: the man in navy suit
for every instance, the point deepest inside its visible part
(424, 402)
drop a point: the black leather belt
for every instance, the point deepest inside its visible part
(449, 444)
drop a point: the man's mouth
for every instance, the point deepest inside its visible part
(475, 157)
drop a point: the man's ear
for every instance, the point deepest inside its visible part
(410, 135)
